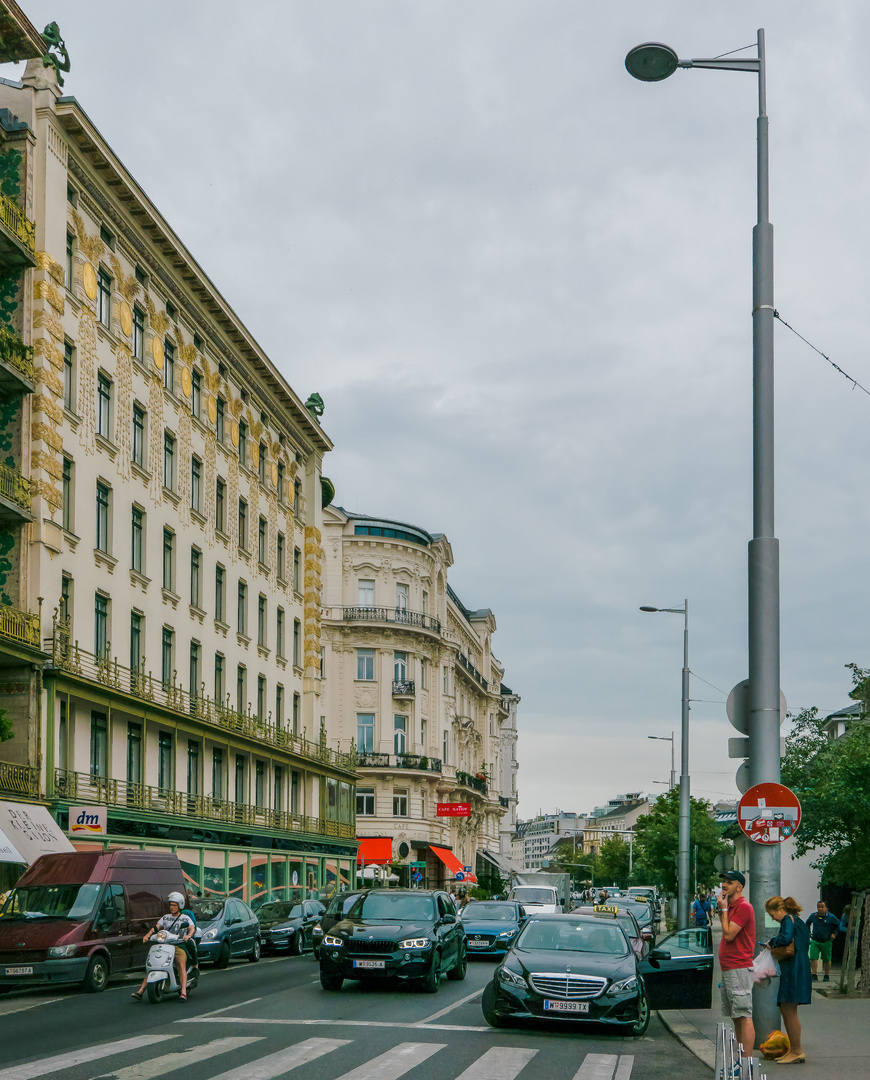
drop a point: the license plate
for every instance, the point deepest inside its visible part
(477, 944)
(369, 963)
(566, 1006)
(19, 971)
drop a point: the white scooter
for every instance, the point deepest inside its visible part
(160, 968)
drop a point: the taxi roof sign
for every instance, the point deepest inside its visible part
(605, 909)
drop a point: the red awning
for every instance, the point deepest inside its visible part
(375, 850)
(448, 858)
(471, 878)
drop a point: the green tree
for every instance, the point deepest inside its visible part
(580, 866)
(613, 860)
(6, 729)
(657, 844)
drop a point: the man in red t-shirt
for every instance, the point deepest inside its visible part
(736, 952)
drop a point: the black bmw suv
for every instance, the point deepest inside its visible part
(410, 934)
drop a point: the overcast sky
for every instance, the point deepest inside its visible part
(521, 281)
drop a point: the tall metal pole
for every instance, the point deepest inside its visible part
(673, 771)
(764, 647)
(685, 804)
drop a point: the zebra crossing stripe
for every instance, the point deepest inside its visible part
(623, 1069)
(597, 1067)
(272, 1065)
(394, 1063)
(147, 1070)
(78, 1057)
(499, 1063)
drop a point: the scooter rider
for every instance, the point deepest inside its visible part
(181, 926)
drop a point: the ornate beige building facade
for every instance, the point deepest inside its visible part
(413, 688)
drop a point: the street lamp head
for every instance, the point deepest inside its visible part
(651, 62)
(645, 608)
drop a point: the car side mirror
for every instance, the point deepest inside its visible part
(647, 935)
(446, 919)
(233, 921)
(659, 954)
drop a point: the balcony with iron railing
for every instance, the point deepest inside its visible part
(16, 364)
(468, 667)
(470, 780)
(16, 496)
(20, 626)
(105, 791)
(17, 235)
(143, 686)
(18, 780)
(416, 762)
(416, 620)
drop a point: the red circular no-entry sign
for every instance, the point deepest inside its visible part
(769, 813)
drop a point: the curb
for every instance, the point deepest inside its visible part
(685, 1032)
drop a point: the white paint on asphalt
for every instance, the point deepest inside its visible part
(327, 1023)
(623, 1069)
(597, 1067)
(182, 1059)
(266, 1068)
(499, 1063)
(14, 1005)
(394, 1063)
(79, 1057)
(450, 1008)
(235, 1005)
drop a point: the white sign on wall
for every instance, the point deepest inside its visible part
(26, 832)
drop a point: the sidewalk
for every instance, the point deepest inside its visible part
(836, 1033)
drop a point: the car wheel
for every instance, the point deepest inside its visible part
(156, 990)
(297, 944)
(97, 975)
(330, 982)
(432, 980)
(254, 954)
(223, 959)
(457, 972)
(640, 1025)
(489, 1013)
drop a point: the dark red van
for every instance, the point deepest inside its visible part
(81, 916)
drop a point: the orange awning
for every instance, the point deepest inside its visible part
(375, 850)
(448, 858)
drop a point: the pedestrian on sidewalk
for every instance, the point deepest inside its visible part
(795, 986)
(736, 953)
(824, 927)
(701, 910)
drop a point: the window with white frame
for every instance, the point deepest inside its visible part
(365, 802)
(400, 666)
(402, 597)
(365, 664)
(400, 734)
(365, 732)
(400, 802)
(366, 593)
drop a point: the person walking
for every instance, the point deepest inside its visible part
(700, 910)
(795, 985)
(736, 953)
(824, 927)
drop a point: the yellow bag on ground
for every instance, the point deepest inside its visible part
(775, 1045)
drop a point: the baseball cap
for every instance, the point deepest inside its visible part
(732, 875)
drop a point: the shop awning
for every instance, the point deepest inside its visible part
(452, 863)
(502, 863)
(375, 850)
(28, 831)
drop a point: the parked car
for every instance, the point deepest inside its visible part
(409, 934)
(288, 925)
(639, 942)
(81, 916)
(225, 930)
(647, 892)
(336, 909)
(491, 926)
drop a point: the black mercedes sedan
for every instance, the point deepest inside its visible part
(288, 925)
(408, 934)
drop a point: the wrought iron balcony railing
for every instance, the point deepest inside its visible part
(504, 801)
(20, 626)
(17, 222)
(144, 686)
(403, 688)
(16, 487)
(392, 615)
(16, 354)
(472, 671)
(418, 762)
(83, 787)
(18, 779)
(478, 783)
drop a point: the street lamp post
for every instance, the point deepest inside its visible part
(670, 739)
(685, 802)
(650, 63)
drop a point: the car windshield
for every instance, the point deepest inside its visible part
(573, 936)
(280, 911)
(641, 912)
(51, 902)
(534, 896)
(207, 910)
(382, 905)
(490, 912)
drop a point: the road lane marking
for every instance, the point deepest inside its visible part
(182, 1059)
(266, 1068)
(597, 1067)
(394, 1063)
(79, 1057)
(14, 1005)
(450, 1008)
(328, 1023)
(235, 1005)
(623, 1069)
(498, 1063)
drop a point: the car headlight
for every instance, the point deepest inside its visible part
(62, 950)
(508, 976)
(414, 943)
(624, 986)
(507, 933)
(328, 939)
(209, 934)
(317, 931)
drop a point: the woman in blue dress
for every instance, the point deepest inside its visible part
(795, 985)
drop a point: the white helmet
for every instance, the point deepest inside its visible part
(175, 898)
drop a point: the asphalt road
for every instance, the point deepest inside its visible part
(268, 1020)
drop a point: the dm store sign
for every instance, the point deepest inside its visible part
(87, 821)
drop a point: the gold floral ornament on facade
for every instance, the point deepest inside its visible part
(275, 474)
(126, 318)
(255, 455)
(212, 409)
(234, 433)
(186, 382)
(89, 280)
(157, 351)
